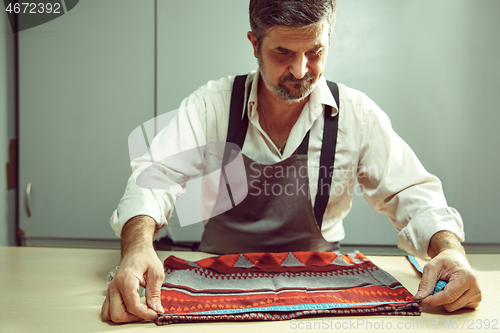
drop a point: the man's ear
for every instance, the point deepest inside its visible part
(251, 37)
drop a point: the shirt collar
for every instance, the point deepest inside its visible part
(321, 95)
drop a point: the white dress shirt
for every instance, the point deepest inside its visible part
(389, 174)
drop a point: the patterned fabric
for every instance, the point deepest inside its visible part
(279, 286)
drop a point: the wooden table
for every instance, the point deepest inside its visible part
(62, 290)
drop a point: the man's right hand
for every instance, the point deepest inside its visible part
(139, 266)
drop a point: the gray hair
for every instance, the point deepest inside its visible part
(265, 14)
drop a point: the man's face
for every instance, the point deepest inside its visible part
(291, 60)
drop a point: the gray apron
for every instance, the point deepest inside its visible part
(277, 214)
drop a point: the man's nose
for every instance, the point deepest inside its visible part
(298, 68)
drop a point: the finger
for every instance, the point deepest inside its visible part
(154, 280)
(428, 282)
(472, 305)
(105, 309)
(470, 299)
(117, 309)
(448, 295)
(132, 301)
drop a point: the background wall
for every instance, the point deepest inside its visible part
(7, 130)
(433, 66)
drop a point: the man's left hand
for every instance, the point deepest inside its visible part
(462, 289)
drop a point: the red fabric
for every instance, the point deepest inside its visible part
(279, 286)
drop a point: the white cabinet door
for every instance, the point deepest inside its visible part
(86, 81)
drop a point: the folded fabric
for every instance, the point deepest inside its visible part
(279, 286)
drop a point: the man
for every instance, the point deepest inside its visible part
(290, 118)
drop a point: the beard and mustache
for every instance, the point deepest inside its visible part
(301, 87)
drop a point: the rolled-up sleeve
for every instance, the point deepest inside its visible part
(159, 176)
(395, 183)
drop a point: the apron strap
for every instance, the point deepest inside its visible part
(238, 125)
(327, 157)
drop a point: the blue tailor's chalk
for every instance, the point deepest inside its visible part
(439, 285)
